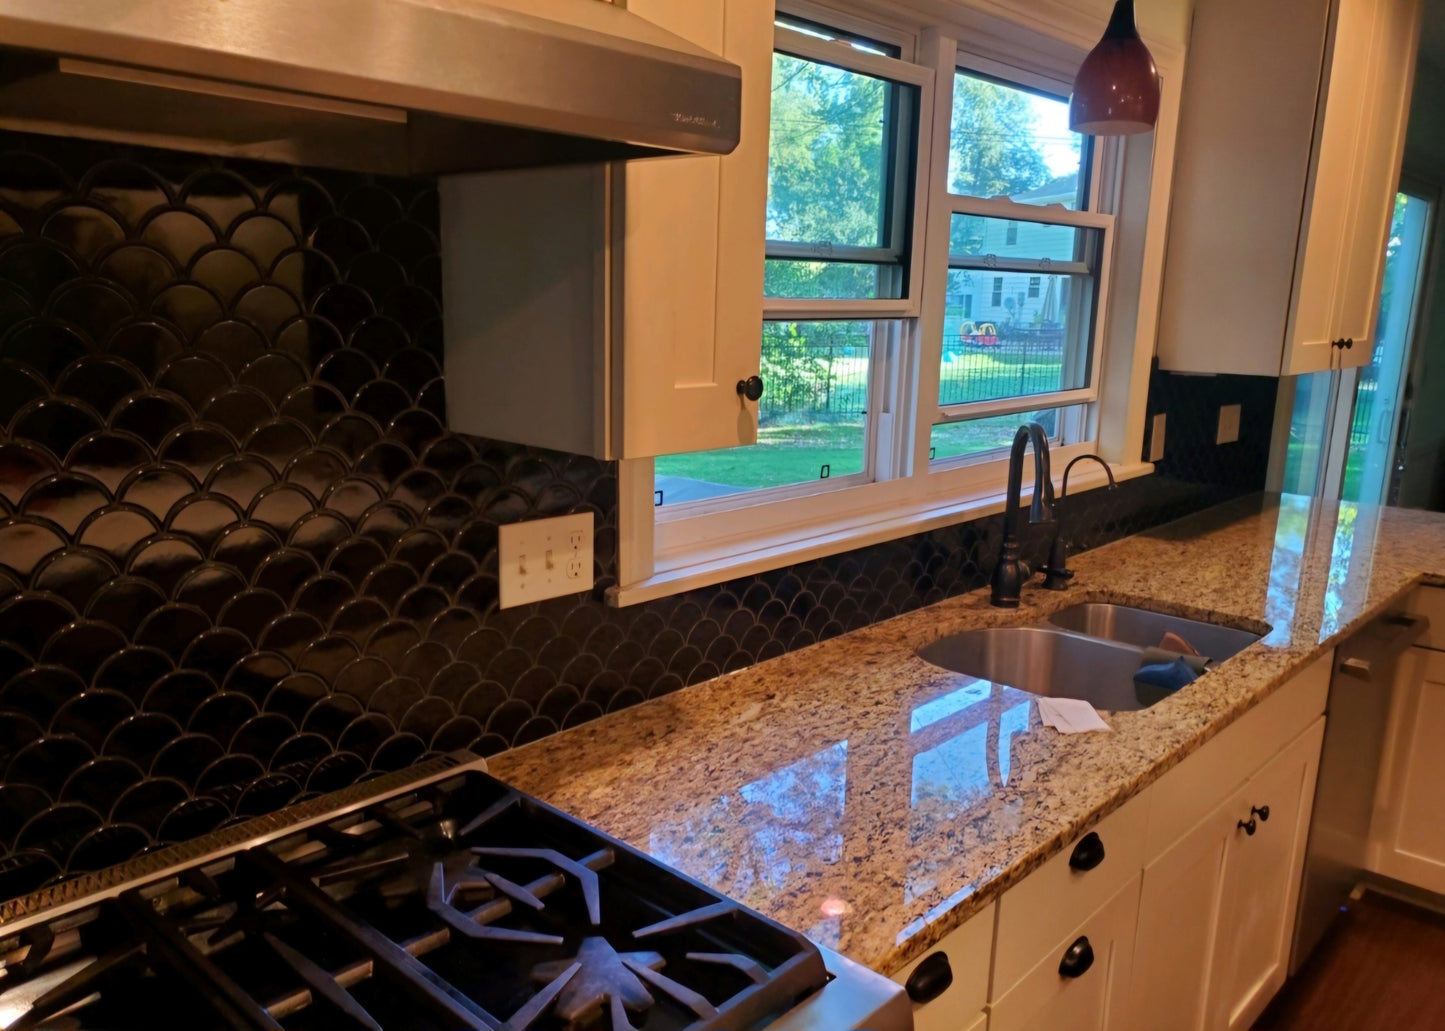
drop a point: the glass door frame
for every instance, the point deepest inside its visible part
(1343, 384)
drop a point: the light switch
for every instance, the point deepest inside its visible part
(544, 558)
(1228, 424)
(1156, 439)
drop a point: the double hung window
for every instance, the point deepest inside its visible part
(937, 271)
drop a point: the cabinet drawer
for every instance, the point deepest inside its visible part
(1430, 601)
(1094, 1000)
(969, 950)
(1186, 794)
(1058, 896)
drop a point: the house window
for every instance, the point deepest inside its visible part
(895, 381)
(1011, 147)
(841, 182)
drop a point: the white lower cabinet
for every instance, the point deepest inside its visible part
(1082, 983)
(1408, 831)
(1216, 916)
(1174, 913)
(1178, 910)
(1261, 883)
(968, 952)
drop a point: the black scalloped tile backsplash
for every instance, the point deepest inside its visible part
(243, 561)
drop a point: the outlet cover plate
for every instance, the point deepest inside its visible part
(1228, 424)
(544, 558)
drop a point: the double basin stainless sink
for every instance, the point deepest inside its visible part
(1090, 651)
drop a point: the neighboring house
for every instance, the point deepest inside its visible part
(1016, 299)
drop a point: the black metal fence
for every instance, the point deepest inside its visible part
(993, 362)
(827, 381)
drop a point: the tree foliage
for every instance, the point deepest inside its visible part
(830, 148)
(993, 149)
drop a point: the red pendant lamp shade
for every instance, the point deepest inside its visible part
(1116, 92)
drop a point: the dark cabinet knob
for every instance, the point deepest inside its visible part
(1349, 343)
(751, 388)
(929, 979)
(1262, 811)
(1248, 826)
(1078, 958)
(1088, 853)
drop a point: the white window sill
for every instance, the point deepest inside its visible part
(772, 552)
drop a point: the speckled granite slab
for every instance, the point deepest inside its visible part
(855, 792)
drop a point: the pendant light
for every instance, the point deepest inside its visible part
(1116, 92)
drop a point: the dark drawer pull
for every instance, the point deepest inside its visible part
(929, 979)
(1077, 960)
(1088, 853)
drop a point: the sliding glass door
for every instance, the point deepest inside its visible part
(1345, 425)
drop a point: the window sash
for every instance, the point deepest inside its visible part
(931, 413)
(908, 223)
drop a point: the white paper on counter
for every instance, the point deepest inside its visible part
(1070, 715)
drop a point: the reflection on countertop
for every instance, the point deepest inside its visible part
(875, 801)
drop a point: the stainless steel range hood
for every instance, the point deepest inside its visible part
(391, 86)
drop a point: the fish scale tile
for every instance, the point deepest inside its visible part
(242, 560)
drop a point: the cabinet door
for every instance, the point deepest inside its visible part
(1094, 1000)
(1325, 234)
(1357, 166)
(691, 274)
(1381, 142)
(1260, 887)
(1178, 913)
(1408, 839)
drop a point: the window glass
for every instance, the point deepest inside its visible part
(840, 166)
(1023, 331)
(1008, 141)
(987, 437)
(812, 417)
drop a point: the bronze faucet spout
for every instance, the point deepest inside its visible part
(1057, 573)
(1011, 572)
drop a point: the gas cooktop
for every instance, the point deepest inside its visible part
(455, 903)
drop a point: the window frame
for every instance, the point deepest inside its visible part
(662, 553)
(896, 69)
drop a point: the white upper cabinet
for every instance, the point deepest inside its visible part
(1291, 136)
(612, 311)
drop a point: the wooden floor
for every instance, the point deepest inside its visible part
(1382, 968)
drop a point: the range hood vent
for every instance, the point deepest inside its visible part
(398, 87)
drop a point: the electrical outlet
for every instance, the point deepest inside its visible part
(544, 558)
(1228, 424)
(1156, 439)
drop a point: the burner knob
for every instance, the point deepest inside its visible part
(929, 979)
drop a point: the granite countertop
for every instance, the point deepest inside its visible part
(876, 802)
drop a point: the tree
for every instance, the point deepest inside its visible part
(993, 147)
(826, 174)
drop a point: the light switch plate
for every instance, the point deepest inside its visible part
(544, 558)
(1156, 439)
(1228, 424)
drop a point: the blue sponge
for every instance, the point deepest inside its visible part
(1160, 679)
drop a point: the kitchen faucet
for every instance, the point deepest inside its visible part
(1057, 573)
(1011, 571)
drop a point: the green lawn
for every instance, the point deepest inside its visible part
(782, 455)
(977, 375)
(793, 447)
